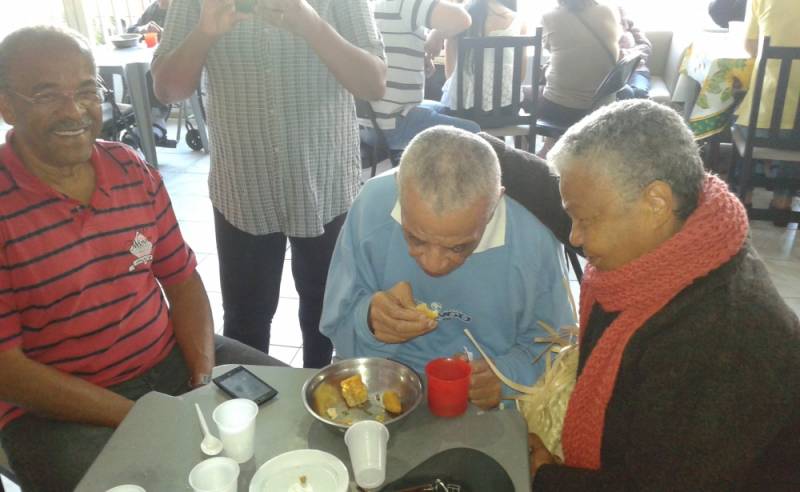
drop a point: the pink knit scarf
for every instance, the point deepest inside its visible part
(713, 234)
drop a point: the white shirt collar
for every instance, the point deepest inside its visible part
(494, 235)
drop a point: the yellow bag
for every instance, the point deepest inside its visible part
(544, 405)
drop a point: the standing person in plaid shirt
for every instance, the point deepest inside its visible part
(285, 159)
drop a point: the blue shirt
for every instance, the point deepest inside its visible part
(512, 280)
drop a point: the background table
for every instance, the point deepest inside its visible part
(135, 63)
(718, 65)
(158, 443)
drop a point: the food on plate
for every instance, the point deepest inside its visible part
(303, 486)
(326, 398)
(424, 309)
(391, 402)
(353, 391)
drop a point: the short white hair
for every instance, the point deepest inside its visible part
(634, 143)
(451, 169)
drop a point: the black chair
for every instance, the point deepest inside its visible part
(118, 117)
(605, 93)
(499, 120)
(770, 143)
(373, 154)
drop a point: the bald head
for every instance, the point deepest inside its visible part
(36, 42)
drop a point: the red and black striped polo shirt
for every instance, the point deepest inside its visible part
(79, 285)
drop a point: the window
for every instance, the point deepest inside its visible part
(34, 12)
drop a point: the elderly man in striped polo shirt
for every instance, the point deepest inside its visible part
(88, 240)
(402, 113)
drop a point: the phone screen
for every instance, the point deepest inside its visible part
(241, 383)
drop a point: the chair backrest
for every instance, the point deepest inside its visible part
(472, 52)
(380, 149)
(774, 137)
(616, 79)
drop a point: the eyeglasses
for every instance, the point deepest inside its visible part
(51, 98)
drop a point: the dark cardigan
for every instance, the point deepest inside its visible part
(708, 391)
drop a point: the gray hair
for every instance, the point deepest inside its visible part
(450, 168)
(39, 37)
(634, 143)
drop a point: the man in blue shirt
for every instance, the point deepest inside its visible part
(441, 232)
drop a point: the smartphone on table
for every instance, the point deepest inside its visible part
(241, 383)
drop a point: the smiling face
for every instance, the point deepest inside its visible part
(611, 230)
(441, 243)
(60, 133)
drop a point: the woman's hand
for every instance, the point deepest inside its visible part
(539, 454)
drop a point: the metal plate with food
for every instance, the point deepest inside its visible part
(368, 388)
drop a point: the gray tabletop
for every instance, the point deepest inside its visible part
(158, 443)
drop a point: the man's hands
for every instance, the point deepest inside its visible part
(296, 16)
(485, 389)
(150, 27)
(393, 317)
(218, 17)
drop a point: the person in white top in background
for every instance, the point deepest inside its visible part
(413, 33)
(489, 18)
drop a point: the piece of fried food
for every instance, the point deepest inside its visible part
(424, 309)
(391, 402)
(353, 391)
(326, 397)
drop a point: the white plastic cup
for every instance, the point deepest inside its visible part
(366, 441)
(218, 474)
(236, 421)
(126, 488)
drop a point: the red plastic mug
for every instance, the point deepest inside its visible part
(150, 39)
(448, 386)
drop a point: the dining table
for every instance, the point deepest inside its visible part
(158, 442)
(135, 63)
(713, 69)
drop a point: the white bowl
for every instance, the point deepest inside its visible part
(126, 40)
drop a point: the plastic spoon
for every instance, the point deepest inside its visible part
(210, 444)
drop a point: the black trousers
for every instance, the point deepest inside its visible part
(250, 269)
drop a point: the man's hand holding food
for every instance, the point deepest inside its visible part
(394, 317)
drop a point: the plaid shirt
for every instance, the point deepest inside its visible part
(285, 149)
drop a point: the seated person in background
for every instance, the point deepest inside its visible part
(582, 37)
(778, 19)
(633, 40)
(689, 358)
(88, 241)
(152, 20)
(402, 113)
(724, 11)
(441, 232)
(489, 18)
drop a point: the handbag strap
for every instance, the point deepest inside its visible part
(597, 37)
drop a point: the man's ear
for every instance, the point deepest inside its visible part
(6, 111)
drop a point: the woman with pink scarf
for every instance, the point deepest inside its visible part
(689, 370)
